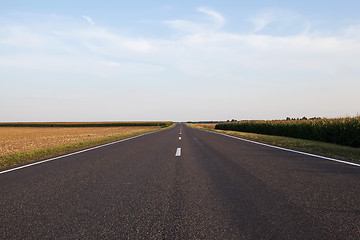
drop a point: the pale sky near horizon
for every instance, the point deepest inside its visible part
(178, 60)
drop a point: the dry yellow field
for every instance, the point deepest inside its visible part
(206, 125)
(19, 139)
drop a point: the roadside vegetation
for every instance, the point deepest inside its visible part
(23, 144)
(310, 146)
(342, 131)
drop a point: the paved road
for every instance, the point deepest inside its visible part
(218, 188)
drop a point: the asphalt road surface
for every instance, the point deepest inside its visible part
(182, 183)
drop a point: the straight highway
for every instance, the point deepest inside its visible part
(182, 183)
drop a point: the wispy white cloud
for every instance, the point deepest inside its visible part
(209, 45)
(88, 19)
(216, 17)
(264, 18)
(216, 21)
(260, 22)
(184, 26)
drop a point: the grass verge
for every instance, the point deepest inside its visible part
(309, 146)
(14, 159)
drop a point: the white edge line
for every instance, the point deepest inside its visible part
(285, 149)
(77, 152)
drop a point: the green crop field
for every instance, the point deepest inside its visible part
(342, 131)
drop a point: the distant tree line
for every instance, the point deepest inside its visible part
(203, 122)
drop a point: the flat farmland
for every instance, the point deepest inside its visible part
(205, 125)
(20, 139)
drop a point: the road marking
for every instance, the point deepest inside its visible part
(178, 152)
(286, 149)
(179, 138)
(81, 151)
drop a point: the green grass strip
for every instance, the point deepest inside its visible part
(309, 146)
(14, 159)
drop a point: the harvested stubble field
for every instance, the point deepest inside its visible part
(20, 139)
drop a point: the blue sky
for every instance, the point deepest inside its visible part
(178, 60)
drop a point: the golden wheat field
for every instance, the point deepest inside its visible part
(19, 139)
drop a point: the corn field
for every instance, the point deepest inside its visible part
(343, 131)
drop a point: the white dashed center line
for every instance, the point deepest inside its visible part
(178, 152)
(179, 138)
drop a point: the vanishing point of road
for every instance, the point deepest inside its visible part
(182, 183)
